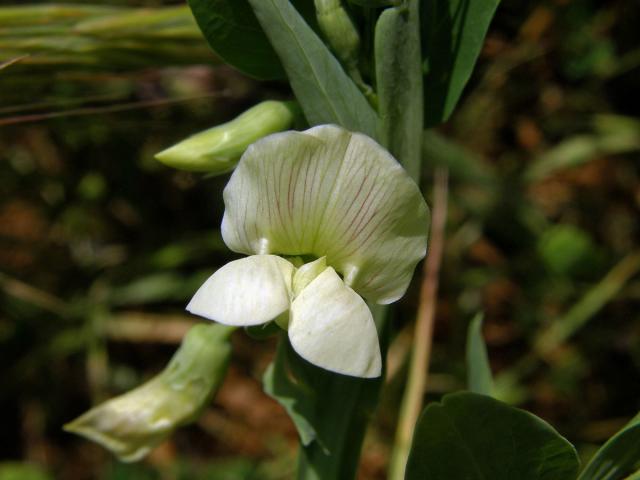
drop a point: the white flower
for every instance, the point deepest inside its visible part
(339, 199)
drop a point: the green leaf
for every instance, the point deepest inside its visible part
(22, 471)
(453, 35)
(280, 381)
(612, 135)
(155, 288)
(233, 32)
(330, 412)
(324, 90)
(474, 437)
(619, 457)
(399, 80)
(479, 377)
(634, 476)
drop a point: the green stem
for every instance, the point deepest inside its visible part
(345, 410)
(339, 460)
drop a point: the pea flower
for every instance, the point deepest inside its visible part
(328, 218)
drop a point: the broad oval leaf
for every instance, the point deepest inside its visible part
(233, 32)
(619, 457)
(474, 437)
(453, 34)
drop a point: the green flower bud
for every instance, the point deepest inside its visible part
(218, 149)
(132, 424)
(338, 28)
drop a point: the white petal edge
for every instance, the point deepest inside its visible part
(332, 327)
(245, 292)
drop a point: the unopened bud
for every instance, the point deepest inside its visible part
(339, 30)
(218, 149)
(132, 424)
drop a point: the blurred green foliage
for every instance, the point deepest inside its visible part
(101, 246)
(21, 471)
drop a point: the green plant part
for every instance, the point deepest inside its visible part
(475, 437)
(342, 203)
(218, 149)
(339, 30)
(132, 424)
(343, 37)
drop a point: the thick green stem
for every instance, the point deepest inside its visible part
(339, 460)
(347, 404)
